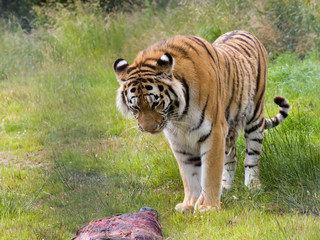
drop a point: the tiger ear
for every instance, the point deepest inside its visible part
(166, 63)
(119, 68)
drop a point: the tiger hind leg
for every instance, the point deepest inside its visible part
(254, 137)
(229, 168)
(230, 158)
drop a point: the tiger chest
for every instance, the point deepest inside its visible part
(187, 137)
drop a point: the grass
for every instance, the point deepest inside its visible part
(67, 156)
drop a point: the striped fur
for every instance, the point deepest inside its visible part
(279, 118)
(201, 95)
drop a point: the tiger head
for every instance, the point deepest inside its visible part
(149, 90)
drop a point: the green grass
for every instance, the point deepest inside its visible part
(67, 156)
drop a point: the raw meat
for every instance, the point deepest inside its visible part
(142, 225)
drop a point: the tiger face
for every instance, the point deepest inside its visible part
(148, 92)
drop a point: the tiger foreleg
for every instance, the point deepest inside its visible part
(191, 177)
(211, 171)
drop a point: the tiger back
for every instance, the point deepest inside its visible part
(201, 95)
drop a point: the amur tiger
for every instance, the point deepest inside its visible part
(201, 95)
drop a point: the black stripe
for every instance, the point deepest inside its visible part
(183, 152)
(228, 65)
(131, 69)
(257, 46)
(234, 84)
(202, 117)
(275, 121)
(229, 36)
(198, 164)
(230, 170)
(146, 71)
(253, 152)
(241, 91)
(132, 77)
(124, 100)
(178, 49)
(135, 107)
(133, 83)
(142, 71)
(204, 137)
(135, 72)
(168, 110)
(167, 93)
(256, 140)
(199, 42)
(260, 97)
(233, 89)
(245, 41)
(149, 66)
(254, 128)
(245, 50)
(284, 105)
(247, 36)
(194, 159)
(251, 166)
(256, 110)
(260, 57)
(187, 96)
(195, 40)
(204, 153)
(232, 45)
(215, 51)
(219, 89)
(192, 47)
(171, 90)
(168, 106)
(283, 113)
(230, 162)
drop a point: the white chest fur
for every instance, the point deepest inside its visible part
(184, 135)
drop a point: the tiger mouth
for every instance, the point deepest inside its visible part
(157, 130)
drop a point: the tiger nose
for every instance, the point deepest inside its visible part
(149, 126)
(148, 122)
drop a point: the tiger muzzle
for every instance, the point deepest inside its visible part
(149, 122)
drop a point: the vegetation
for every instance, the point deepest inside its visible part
(67, 156)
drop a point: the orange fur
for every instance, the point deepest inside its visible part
(201, 95)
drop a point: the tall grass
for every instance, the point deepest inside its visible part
(291, 171)
(67, 156)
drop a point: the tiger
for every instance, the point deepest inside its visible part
(201, 95)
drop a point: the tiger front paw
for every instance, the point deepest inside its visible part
(184, 208)
(203, 205)
(205, 208)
